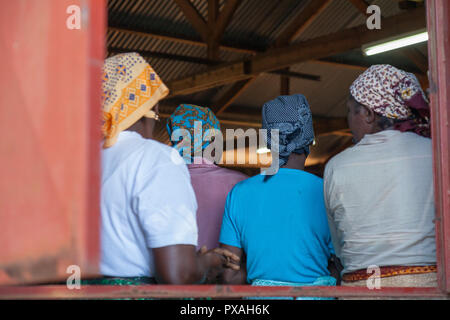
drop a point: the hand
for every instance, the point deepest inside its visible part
(214, 261)
(335, 268)
(219, 257)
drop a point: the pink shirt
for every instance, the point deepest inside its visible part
(211, 185)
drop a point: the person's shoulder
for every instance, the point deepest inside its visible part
(341, 158)
(313, 179)
(163, 155)
(414, 140)
(246, 183)
(233, 174)
(314, 183)
(151, 144)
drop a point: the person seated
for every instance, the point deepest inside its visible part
(148, 208)
(277, 223)
(379, 193)
(211, 183)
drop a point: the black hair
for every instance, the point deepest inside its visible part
(382, 122)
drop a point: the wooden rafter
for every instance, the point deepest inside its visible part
(240, 48)
(213, 13)
(299, 24)
(203, 61)
(194, 17)
(320, 47)
(231, 95)
(302, 21)
(422, 77)
(225, 17)
(361, 5)
(212, 30)
(322, 125)
(285, 84)
(217, 23)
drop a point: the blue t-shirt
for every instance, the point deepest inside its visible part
(281, 225)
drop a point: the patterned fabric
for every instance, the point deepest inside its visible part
(292, 117)
(184, 117)
(130, 89)
(388, 271)
(424, 280)
(394, 94)
(117, 281)
(321, 281)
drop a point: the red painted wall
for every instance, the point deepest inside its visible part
(49, 139)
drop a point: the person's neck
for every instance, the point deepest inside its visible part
(144, 127)
(296, 161)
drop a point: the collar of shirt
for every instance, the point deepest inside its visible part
(199, 162)
(379, 137)
(125, 135)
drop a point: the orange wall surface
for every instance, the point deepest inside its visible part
(49, 139)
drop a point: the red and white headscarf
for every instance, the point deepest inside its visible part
(395, 94)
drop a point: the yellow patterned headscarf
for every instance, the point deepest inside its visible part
(130, 89)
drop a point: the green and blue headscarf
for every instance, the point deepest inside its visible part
(184, 117)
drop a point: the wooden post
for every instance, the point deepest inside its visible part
(438, 12)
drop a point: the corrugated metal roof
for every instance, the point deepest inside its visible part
(259, 22)
(326, 98)
(255, 23)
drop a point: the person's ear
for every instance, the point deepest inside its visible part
(369, 115)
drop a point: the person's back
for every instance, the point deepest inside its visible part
(136, 215)
(211, 185)
(380, 195)
(148, 206)
(281, 225)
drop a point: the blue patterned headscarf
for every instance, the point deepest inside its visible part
(184, 117)
(292, 117)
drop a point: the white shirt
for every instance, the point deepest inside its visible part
(147, 201)
(380, 202)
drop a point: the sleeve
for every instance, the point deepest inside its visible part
(166, 206)
(229, 233)
(329, 200)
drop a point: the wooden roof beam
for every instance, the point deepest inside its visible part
(224, 18)
(300, 23)
(231, 95)
(217, 23)
(194, 17)
(276, 59)
(240, 48)
(322, 125)
(213, 44)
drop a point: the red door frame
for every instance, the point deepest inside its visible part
(438, 15)
(438, 12)
(49, 150)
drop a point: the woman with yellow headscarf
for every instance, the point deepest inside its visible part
(148, 207)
